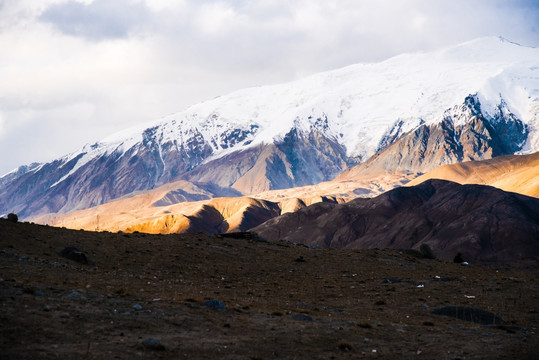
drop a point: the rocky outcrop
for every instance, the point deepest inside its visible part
(464, 134)
(480, 222)
(298, 159)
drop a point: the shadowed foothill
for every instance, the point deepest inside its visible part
(481, 222)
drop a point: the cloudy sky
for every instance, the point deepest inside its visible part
(74, 71)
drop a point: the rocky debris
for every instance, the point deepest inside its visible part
(12, 217)
(72, 253)
(153, 344)
(469, 314)
(214, 304)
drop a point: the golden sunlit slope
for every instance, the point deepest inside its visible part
(167, 209)
(515, 173)
(139, 213)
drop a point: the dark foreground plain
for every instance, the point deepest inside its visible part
(274, 300)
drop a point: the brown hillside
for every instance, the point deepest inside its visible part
(481, 222)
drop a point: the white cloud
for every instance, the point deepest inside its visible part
(216, 18)
(90, 67)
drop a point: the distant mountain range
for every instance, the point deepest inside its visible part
(183, 207)
(411, 113)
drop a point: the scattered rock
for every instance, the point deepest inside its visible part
(137, 307)
(75, 296)
(458, 259)
(214, 304)
(72, 253)
(302, 317)
(300, 259)
(469, 314)
(344, 345)
(153, 344)
(12, 217)
(426, 251)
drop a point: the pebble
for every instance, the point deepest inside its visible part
(75, 296)
(215, 305)
(137, 307)
(153, 344)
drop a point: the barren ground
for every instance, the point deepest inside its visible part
(351, 303)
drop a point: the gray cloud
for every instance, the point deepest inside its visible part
(101, 19)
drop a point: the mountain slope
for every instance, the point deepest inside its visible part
(481, 222)
(158, 212)
(465, 133)
(515, 173)
(170, 208)
(473, 101)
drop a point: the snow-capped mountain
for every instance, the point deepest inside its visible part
(482, 96)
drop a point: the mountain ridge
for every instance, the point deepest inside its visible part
(310, 130)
